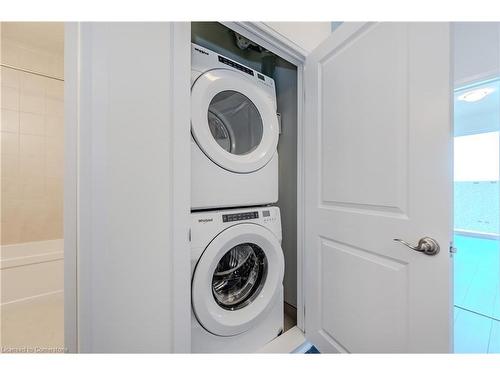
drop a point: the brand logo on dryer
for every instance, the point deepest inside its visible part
(201, 51)
(205, 220)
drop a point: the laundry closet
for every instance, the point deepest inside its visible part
(364, 153)
(270, 184)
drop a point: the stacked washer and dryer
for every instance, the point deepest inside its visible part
(237, 263)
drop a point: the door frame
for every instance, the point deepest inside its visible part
(74, 227)
(280, 45)
(77, 230)
(70, 191)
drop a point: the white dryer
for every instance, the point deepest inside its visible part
(235, 131)
(237, 271)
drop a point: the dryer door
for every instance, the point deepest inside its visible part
(237, 279)
(233, 121)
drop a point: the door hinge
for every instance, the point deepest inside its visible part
(453, 249)
(189, 235)
(279, 122)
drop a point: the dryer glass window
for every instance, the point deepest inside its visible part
(239, 276)
(235, 122)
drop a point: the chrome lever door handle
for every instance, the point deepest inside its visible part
(426, 245)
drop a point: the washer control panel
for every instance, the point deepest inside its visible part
(205, 225)
(240, 216)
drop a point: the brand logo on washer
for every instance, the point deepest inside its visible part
(201, 51)
(205, 220)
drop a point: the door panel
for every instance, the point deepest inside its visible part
(355, 140)
(358, 268)
(378, 167)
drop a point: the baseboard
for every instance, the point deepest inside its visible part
(288, 342)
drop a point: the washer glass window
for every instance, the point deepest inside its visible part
(239, 276)
(235, 122)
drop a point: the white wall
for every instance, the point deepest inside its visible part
(477, 51)
(305, 34)
(131, 229)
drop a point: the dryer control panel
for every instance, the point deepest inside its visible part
(240, 216)
(203, 60)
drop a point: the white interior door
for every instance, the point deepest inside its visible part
(378, 152)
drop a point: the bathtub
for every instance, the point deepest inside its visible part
(32, 303)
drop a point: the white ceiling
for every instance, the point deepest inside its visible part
(44, 35)
(478, 117)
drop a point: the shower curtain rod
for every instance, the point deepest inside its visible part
(31, 72)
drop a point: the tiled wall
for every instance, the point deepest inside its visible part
(32, 58)
(32, 145)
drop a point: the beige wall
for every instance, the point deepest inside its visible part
(32, 144)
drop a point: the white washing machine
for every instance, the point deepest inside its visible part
(235, 131)
(237, 271)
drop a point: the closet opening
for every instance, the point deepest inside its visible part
(221, 39)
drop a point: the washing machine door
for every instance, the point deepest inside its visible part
(233, 120)
(237, 279)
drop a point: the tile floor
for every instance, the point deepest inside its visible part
(477, 295)
(476, 333)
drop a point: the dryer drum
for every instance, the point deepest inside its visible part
(235, 122)
(219, 131)
(239, 276)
